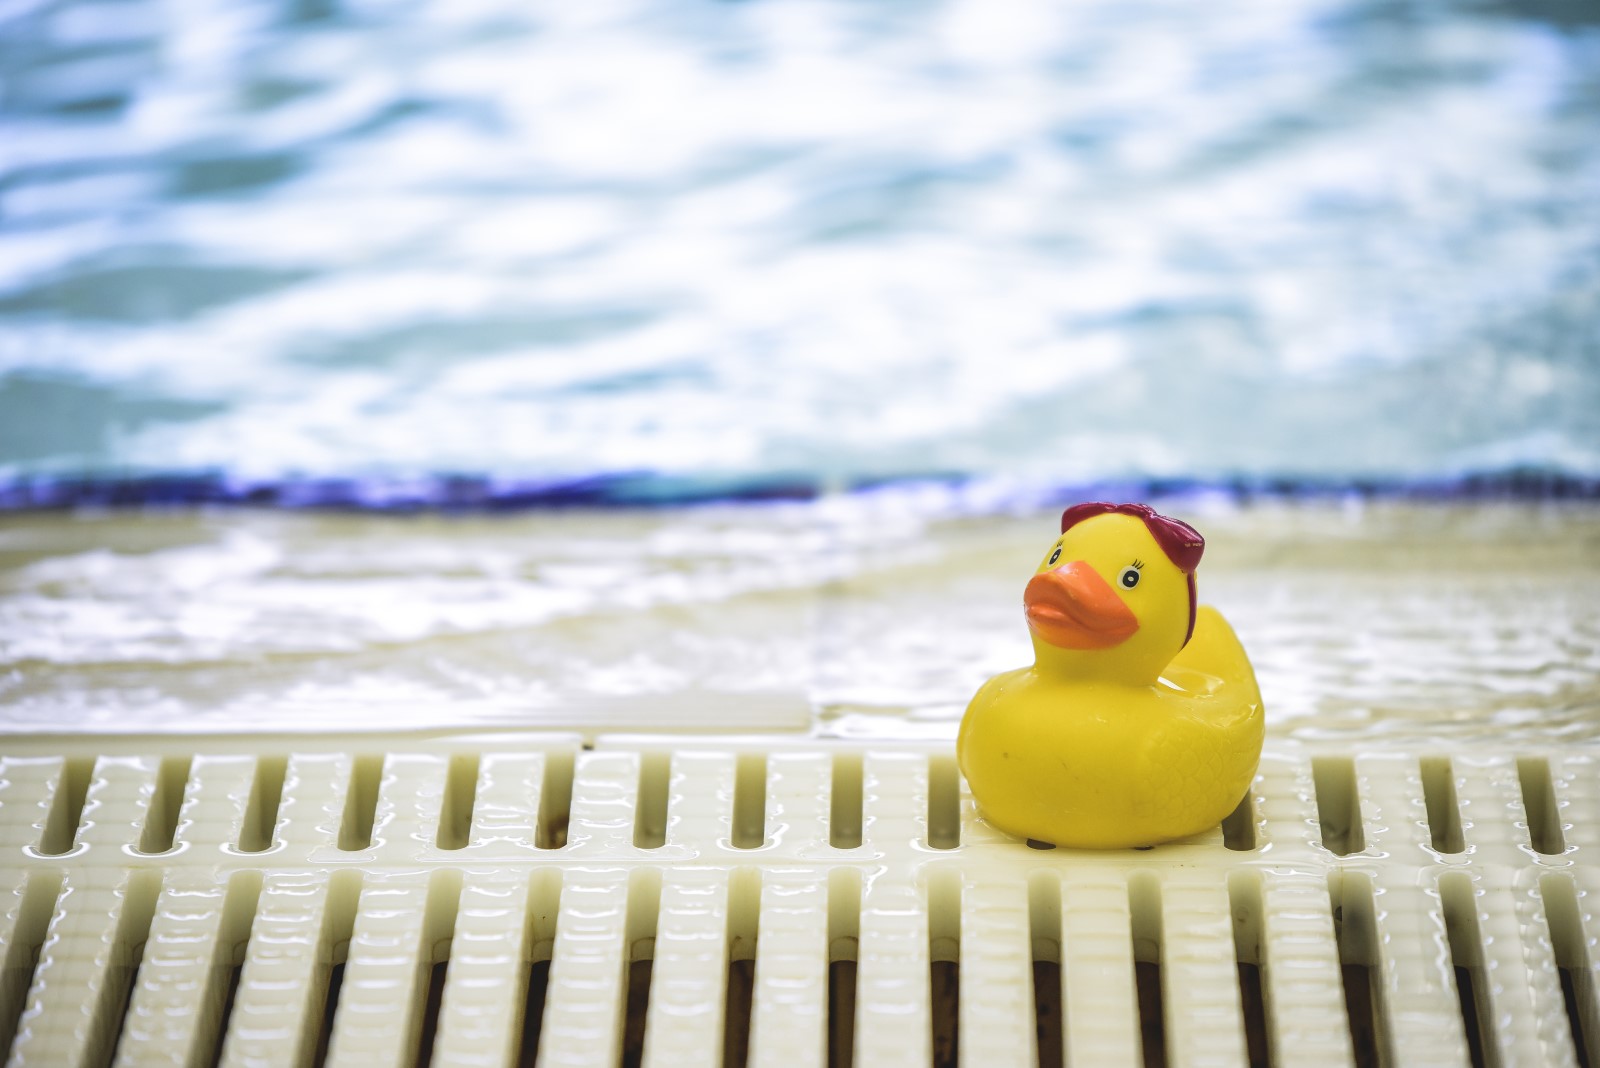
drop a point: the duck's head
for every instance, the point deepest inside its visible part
(1114, 596)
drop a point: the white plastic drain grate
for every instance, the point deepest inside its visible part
(452, 902)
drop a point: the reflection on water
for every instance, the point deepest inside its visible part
(857, 617)
(345, 237)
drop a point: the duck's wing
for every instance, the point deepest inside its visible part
(1202, 760)
(1197, 771)
(1213, 659)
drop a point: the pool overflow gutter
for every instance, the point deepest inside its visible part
(647, 901)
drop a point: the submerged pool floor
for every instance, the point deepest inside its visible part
(858, 617)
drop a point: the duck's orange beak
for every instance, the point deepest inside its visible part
(1072, 607)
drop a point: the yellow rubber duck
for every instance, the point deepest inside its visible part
(1140, 720)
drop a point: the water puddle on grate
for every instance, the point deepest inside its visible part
(437, 903)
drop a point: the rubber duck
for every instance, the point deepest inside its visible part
(1140, 720)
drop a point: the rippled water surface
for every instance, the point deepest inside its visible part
(855, 617)
(286, 238)
(787, 242)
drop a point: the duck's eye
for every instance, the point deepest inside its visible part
(1055, 556)
(1129, 578)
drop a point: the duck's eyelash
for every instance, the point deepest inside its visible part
(1139, 564)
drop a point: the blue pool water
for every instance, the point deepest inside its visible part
(792, 242)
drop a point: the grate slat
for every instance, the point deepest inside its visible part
(1577, 785)
(28, 787)
(893, 1016)
(215, 803)
(700, 803)
(799, 802)
(312, 807)
(1490, 799)
(583, 1013)
(789, 1001)
(385, 974)
(894, 801)
(1305, 995)
(605, 804)
(1286, 809)
(485, 987)
(1524, 985)
(276, 1011)
(30, 903)
(182, 957)
(410, 802)
(997, 1004)
(118, 802)
(505, 810)
(1419, 989)
(1200, 987)
(688, 981)
(1394, 811)
(87, 960)
(1101, 1004)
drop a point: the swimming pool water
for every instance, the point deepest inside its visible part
(856, 617)
(795, 241)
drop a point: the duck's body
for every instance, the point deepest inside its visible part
(1110, 740)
